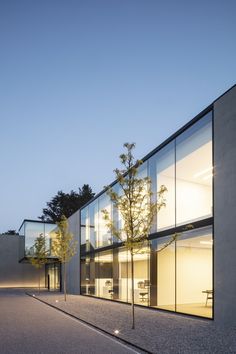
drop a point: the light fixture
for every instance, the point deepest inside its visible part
(116, 331)
(56, 300)
(199, 174)
(208, 176)
(206, 242)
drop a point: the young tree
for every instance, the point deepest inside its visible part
(137, 205)
(64, 246)
(39, 257)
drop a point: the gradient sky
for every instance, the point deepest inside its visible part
(80, 78)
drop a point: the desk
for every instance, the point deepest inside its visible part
(142, 296)
(209, 294)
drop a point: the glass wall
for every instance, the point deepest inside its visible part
(89, 275)
(194, 172)
(33, 229)
(163, 273)
(162, 172)
(175, 276)
(181, 272)
(83, 232)
(104, 236)
(105, 274)
(52, 276)
(92, 226)
(194, 288)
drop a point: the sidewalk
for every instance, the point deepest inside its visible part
(156, 331)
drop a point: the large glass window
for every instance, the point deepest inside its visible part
(141, 276)
(92, 225)
(105, 272)
(89, 275)
(104, 234)
(174, 276)
(162, 172)
(31, 230)
(194, 172)
(84, 276)
(52, 276)
(50, 236)
(194, 288)
(83, 238)
(123, 274)
(165, 274)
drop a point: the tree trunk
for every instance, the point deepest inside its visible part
(132, 289)
(39, 280)
(65, 281)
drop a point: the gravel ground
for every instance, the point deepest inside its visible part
(156, 331)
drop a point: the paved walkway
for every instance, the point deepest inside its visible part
(156, 331)
(28, 326)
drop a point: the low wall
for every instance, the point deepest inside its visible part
(13, 273)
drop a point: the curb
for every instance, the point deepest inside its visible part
(92, 325)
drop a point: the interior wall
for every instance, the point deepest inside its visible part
(193, 271)
(166, 216)
(193, 200)
(166, 277)
(194, 274)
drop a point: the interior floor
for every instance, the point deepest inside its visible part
(199, 309)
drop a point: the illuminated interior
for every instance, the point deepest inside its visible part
(175, 278)
(31, 229)
(184, 273)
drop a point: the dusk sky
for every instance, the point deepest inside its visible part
(80, 78)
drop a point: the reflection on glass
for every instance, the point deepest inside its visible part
(106, 274)
(194, 172)
(165, 274)
(178, 277)
(92, 275)
(84, 277)
(194, 273)
(84, 213)
(104, 234)
(32, 230)
(123, 274)
(92, 225)
(53, 276)
(141, 277)
(50, 236)
(165, 175)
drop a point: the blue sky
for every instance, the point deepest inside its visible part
(80, 78)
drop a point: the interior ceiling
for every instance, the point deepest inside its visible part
(196, 162)
(204, 241)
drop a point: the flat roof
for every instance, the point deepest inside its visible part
(36, 221)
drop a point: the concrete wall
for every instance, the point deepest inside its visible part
(13, 273)
(73, 267)
(225, 208)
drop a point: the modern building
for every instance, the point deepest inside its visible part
(15, 251)
(28, 232)
(196, 274)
